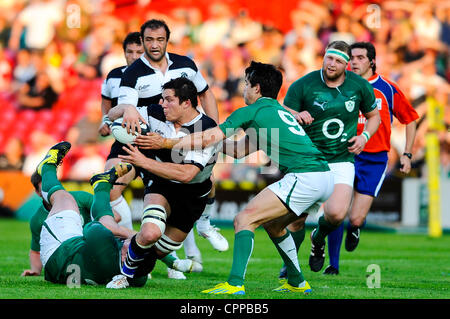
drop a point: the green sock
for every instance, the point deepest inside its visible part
(287, 249)
(100, 205)
(168, 260)
(50, 182)
(243, 248)
(298, 236)
(322, 231)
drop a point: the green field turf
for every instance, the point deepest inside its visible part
(412, 267)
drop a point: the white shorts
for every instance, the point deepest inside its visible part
(304, 192)
(56, 229)
(343, 172)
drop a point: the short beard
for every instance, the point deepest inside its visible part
(332, 78)
(152, 58)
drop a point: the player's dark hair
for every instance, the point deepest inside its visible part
(184, 90)
(155, 24)
(371, 52)
(132, 37)
(35, 180)
(267, 76)
(341, 46)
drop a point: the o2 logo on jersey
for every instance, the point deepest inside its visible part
(326, 131)
(290, 120)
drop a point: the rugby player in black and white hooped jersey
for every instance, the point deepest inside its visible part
(132, 47)
(177, 183)
(141, 86)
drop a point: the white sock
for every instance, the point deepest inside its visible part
(190, 247)
(203, 223)
(120, 206)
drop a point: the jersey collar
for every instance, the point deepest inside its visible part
(169, 61)
(323, 80)
(373, 78)
(195, 119)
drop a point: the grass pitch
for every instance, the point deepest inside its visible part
(411, 267)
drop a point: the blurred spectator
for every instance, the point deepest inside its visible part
(24, 70)
(14, 156)
(216, 29)
(38, 20)
(37, 93)
(6, 70)
(85, 131)
(39, 144)
(89, 162)
(244, 29)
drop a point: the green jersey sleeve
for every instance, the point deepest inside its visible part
(293, 98)
(241, 118)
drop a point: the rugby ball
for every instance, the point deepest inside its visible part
(121, 135)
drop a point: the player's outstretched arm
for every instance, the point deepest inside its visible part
(196, 140)
(35, 264)
(238, 149)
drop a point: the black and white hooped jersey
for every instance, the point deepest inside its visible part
(141, 83)
(202, 158)
(111, 85)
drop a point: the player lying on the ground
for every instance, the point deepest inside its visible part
(64, 239)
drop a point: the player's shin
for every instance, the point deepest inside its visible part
(50, 182)
(135, 257)
(288, 251)
(100, 205)
(243, 248)
(322, 231)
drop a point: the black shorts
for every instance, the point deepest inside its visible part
(116, 150)
(187, 201)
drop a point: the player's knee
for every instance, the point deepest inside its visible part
(245, 221)
(335, 214)
(356, 221)
(166, 245)
(153, 223)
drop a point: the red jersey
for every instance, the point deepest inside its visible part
(391, 102)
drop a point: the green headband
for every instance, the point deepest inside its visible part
(338, 54)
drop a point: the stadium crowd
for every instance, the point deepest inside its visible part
(55, 54)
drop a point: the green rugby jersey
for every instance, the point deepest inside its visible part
(278, 134)
(84, 201)
(335, 110)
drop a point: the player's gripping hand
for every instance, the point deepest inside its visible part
(104, 129)
(151, 141)
(131, 119)
(134, 156)
(29, 272)
(358, 144)
(304, 118)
